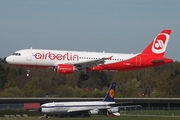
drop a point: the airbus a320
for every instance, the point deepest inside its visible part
(66, 62)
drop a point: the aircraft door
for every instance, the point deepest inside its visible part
(28, 55)
(138, 61)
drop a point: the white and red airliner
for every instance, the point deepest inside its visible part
(66, 62)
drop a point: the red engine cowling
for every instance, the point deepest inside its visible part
(65, 69)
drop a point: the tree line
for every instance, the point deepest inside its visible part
(161, 81)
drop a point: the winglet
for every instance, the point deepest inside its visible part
(110, 95)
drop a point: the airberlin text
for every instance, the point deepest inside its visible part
(56, 56)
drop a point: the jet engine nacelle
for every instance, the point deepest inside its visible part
(93, 112)
(65, 69)
(113, 110)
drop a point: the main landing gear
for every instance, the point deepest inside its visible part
(84, 77)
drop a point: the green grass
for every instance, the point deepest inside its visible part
(125, 115)
(152, 112)
(100, 117)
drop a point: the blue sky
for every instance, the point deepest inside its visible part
(121, 26)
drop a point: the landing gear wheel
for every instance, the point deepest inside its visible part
(28, 71)
(84, 77)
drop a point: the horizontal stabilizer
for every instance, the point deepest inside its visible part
(164, 60)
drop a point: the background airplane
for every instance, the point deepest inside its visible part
(66, 62)
(84, 108)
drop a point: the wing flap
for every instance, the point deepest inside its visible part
(87, 109)
(91, 63)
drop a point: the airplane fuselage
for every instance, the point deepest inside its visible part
(68, 107)
(51, 58)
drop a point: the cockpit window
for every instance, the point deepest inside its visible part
(43, 106)
(17, 54)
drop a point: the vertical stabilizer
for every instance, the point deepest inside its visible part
(110, 95)
(158, 45)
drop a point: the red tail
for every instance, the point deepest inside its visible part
(157, 47)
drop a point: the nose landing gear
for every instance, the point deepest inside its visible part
(28, 71)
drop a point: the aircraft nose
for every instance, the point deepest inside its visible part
(7, 59)
(4, 60)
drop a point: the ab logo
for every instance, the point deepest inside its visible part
(160, 43)
(111, 93)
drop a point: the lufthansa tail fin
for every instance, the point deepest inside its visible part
(110, 95)
(158, 45)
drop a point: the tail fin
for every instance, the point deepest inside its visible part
(158, 46)
(110, 95)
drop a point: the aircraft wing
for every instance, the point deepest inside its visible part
(86, 109)
(86, 64)
(91, 63)
(78, 110)
(101, 108)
